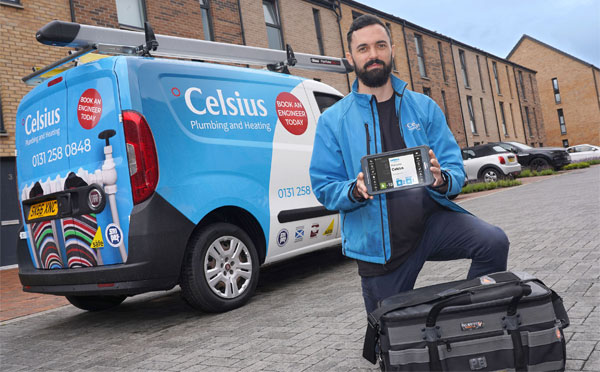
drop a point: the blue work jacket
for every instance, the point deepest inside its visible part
(341, 141)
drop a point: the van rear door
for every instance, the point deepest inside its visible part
(78, 165)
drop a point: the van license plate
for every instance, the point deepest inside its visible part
(44, 209)
(511, 160)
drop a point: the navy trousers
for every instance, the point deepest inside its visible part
(448, 236)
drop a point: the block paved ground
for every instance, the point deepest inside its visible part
(308, 314)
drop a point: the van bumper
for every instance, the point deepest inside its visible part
(158, 235)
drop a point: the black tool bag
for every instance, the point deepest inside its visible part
(502, 321)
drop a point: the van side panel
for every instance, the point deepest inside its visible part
(214, 131)
(290, 187)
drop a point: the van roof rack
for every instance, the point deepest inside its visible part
(86, 39)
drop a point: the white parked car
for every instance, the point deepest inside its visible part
(489, 163)
(583, 152)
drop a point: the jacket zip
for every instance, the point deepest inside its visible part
(379, 196)
(368, 139)
(399, 114)
(401, 95)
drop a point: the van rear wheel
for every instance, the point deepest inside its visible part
(220, 269)
(96, 303)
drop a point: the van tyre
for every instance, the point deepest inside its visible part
(220, 269)
(96, 303)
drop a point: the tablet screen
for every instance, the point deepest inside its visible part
(395, 171)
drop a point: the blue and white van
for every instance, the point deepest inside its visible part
(138, 174)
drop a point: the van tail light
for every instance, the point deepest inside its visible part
(501, 159)
(141, 155)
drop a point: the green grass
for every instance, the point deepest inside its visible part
(583, 164)
(529, 173)
(482, 186)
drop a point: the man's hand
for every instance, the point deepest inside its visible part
(437, 173)
(360, 189)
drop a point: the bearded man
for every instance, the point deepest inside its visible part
(392, 235)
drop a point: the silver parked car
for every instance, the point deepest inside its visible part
(489, 163)
(583, 152)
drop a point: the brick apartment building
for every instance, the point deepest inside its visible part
(477, 112)
(569, 92)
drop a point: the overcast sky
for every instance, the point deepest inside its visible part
(572, 26)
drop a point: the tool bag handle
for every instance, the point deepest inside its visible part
(514, 290)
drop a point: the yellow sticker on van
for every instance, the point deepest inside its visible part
(98, 242)
(329, 229)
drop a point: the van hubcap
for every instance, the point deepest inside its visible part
(228, 267)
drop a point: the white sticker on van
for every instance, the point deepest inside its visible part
(113, 235)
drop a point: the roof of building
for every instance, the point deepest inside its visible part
(525, 36)
(435, 34)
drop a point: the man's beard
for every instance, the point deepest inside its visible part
(376, 77)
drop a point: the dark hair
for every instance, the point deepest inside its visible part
(364, 21)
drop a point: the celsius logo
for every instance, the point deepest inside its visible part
(221, 105)
(41, 120)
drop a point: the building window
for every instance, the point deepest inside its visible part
(273, 24)
(317, 18)
(463, 67)
(131, 13)
(565, 143)
(522, 85)
(532, 90)
(512, 118)
(420, 55)
(389, 26)
(561, 122)
(2, 130)
(427, 91)
(503, 118)
(206, 20)
(556, 90)
(509, 84)
(480, 76)
(485, 128)
(528, 121)
(471, 115)
(495, 69)
(443, 66)
(445, 107)
(13, 2)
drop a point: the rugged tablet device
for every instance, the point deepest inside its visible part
(397, 170)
